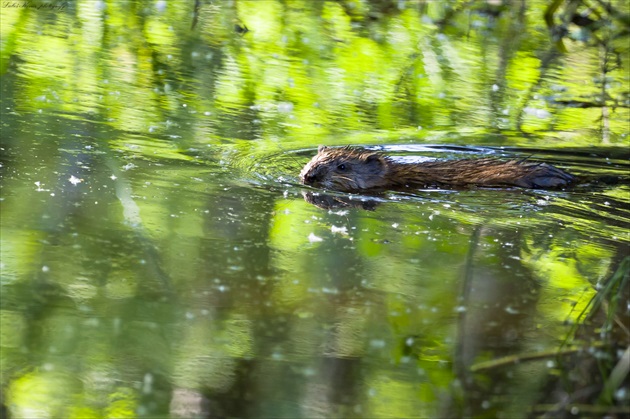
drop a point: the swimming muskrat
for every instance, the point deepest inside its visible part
(351, 169)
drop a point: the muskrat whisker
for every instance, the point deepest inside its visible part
(347, 178)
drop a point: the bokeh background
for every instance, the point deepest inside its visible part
(159, 258)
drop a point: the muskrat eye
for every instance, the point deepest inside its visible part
(341, 167)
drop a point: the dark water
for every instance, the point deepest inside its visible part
(161, 259)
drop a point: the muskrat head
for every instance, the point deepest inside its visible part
(345, 169)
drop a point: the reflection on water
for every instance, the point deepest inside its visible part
(236, 299)
(161, 259)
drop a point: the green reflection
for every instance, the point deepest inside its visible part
(158, 257)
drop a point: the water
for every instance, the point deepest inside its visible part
(161, 259)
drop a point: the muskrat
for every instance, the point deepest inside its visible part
(350, 169)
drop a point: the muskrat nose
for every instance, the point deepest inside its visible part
(308, 178)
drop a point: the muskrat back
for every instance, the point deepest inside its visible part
(351, 169)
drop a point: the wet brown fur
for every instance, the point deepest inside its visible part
(351, 169)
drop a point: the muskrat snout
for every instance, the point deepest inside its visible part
(308, 176)
(308, 179)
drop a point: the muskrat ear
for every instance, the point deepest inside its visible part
(321, 148)
(373, 158)
(375, 162)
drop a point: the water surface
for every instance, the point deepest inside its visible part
(159, 258)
